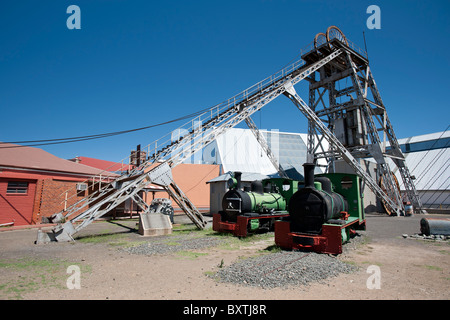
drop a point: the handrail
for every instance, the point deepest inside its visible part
(357, 49)
(163, 142)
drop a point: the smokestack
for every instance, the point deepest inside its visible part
(237, 176)
(309, 174)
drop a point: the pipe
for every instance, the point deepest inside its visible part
(257, 187)
(309, 174)
(7, 224)
(326, 184)
(435, 226)
(237, 176)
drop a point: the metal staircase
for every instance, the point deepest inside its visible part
(163, 155)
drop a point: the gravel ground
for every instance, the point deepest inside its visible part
(268, 270)
(410, 268)
(167, 245)
(283, 269)
(289, 268)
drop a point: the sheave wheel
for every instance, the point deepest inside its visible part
(334, 32)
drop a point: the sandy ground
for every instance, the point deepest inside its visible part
(409, 269)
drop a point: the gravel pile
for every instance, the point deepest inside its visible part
(173, 244)
(270, 270)
(283, 269)
(433, 237)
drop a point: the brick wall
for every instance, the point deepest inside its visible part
(53, 195)
(46, 196)
(47, 193)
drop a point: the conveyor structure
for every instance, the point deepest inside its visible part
(332, 57)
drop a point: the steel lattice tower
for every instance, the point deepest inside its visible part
(350, 120)
(343, 94)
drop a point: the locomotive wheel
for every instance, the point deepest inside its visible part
(319, 39)
(389, 211)
(334, 32)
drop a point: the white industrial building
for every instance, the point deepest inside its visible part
(238, 150)
(427, 158)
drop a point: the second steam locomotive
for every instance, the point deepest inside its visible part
(254, 208)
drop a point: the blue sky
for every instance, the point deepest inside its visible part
(137, 63)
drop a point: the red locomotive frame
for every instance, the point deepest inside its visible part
(239, 228)
(329, 241)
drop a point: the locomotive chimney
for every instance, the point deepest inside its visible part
(309, 174)
(237, 176)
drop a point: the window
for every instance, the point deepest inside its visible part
(346, 182)
(17, 187)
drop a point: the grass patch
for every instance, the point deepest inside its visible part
(271, 249)
(172, 243)
(192, 231)
(210, 273)
(184, 229)
(28, 275)
(112, 239)
(433, 267)
(349, 262)
(190, 255)
(235, 243)
(372, 263)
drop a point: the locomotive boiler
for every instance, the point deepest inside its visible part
(315, 203)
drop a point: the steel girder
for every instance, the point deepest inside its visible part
(128, 185)
(369, 109)
(227, 115)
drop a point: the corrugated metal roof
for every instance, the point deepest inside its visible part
(238, 150)
(102, 164)
(431, 169)
(15, 156)
(427, 156)
(246, 176)
(425, 137)
(428, 160)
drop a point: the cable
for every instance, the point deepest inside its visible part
(442, 202)
(431, 180)
(437, 190)
(436, 141)
(32, 143)
(431, 164)
(95, 136)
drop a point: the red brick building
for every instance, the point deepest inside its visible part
(36, 184)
